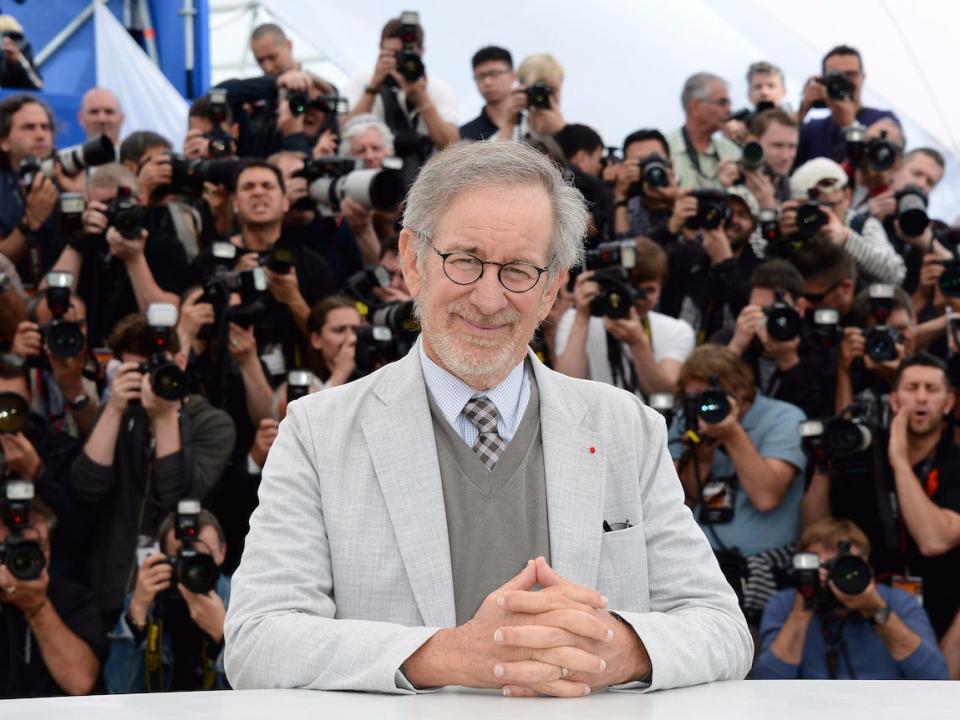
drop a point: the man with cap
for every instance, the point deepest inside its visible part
(823, 181)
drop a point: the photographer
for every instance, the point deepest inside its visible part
(17, 67)
(873, 173)
(697, 153)
(641, 352)
(212, 133)
(100, 114)
(823, 184)
(541, 81)
(503, 102)
(28, 233)
(880, 633)
(778, 133)
(739, 459)
(645, 189)
(272, 50)
(144, 454)
(51, 636)
(583, 147)
(838, 88)
(116, 275)
(765, 91)
(189, 655)
(421, 113)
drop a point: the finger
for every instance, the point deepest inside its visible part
(519, 691)
(572, 658)
(524, 580)
(541, 602)
(541, 676)
(539, 637)
(548, 577)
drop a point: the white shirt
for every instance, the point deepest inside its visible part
(669, 338)
(441, 95)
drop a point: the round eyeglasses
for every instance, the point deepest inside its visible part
(463, 268)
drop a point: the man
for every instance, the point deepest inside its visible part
(697, 154)
(17, 66)
(190, 623)
(496, 80)
(272, 50)
(422, 113)
(423, 600)
(824, 181)
(881, 633)
(641, 352)
(640, 208)
(829, 277)
(583, 148)
(870, 181)
(367, 139)
(54, 617)
(824, 137)
(536, 121)
(778, 133)
(144, 454)
(100, 114)
(28, 234)
(765, 91)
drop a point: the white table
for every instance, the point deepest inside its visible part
(747, 700)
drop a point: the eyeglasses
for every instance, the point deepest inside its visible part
(489, 75)
(815, 298)
(722, 102)
(464, 268)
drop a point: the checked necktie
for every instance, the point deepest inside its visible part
(483, 414)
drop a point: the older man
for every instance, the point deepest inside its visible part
(385, 552)
(100, 114)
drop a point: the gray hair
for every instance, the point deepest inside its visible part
(697, 87)
(466, 166)
(360, 124)
(112, 176)
(763, 68)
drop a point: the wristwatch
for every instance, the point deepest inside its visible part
(79, 402)
(880, 617)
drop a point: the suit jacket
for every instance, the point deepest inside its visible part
(346, 570)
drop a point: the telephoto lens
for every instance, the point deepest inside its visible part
(849, 573)
(14, 413)
(752, 156)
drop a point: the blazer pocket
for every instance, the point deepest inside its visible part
(622, 574)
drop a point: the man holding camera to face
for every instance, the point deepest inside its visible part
(152, 445)
(839, 623)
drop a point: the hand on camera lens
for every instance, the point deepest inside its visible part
(95, 219)
(749, 319)
(193, 316)
(195, 145)
(206, 611)
(760, 184)
(724, 429)
(243, 343)
(585, 289)
(728, 172)
(154, 172)
(357, 216)
(684, 208)
(386, 66)
(628, 330)
(125, 386)
(156, 406)
(628, 173)
(295, 80)
(124, 249)
(883, 205)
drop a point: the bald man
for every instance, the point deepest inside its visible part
(100, 114)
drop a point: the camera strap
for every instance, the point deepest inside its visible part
(153, 671)
(694, 156)
(836, 646)
(621, 365)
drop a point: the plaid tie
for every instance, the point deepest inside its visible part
(483, 414)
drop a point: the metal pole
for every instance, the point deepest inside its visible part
(188, 12)
(149, 34)
(64, 35)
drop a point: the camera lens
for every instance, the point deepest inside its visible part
(752, 156)
(169, 382)
(14, 412)
(881, 345)
(713, 406)
(65, 339)
(844, 437)
(810, 218)
(783, 323)
(198, 571)
(24, 559)
(850, 574)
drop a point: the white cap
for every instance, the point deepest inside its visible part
(812, 173)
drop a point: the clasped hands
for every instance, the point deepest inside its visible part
(558, 641)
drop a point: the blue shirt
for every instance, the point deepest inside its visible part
(772, 427)
(824, 138)
(450, 393)
(869, 657)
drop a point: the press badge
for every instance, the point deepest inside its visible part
(909, 584)
(716, 502)
(273, 360)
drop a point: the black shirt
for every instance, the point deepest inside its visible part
(43, 246)
(480, 128)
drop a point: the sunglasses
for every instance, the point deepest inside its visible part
(815, 298)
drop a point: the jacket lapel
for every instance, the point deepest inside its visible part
(575, 467)
(399, 436)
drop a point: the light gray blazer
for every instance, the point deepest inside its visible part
(346, 570)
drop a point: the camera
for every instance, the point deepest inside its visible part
(811, 436)
(783, 320)
(14, 413)
(280, 258)
(298, 384)
(769, 223)
(72, 206)
(838, 85)
(188, 176)
(810, 219)
(881, 154)
(167, 380)
(22, 557)
(713, 209)
(63, 337)
(72, 160)
(838, 437)
(712, 405)
(654, 171)
(849, 573)
(881, 340)
(250, 285)
(126, 214)
(855, 139)
(391, 332)
(409, 62)
(538, 95)
(361, 285)
(611, 263)
(331, 179)
(197, 571)
(912, 210)
(949, 282)
(663, 403)
(826, 332)
(752, 156)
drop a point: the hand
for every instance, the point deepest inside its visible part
(852, 347)
(416, 91)
(28, 596)
(154, 173)
(193, 316)
(683, 209)
(68, 373)
(124, 249)
(40, 201)
(125, 387)
(544, 121)
(788, 217)
(296, 189)
(585, 289)
(735, 130)
(287, 123)
(391, 294)
(628, 173)
(285, 288)
(814, 92)
(20, 457)
(836, 231)
(247, 261)
(748, 321)
(217, 197)
(11, 50)
(206, 611)
(195, 145)
(898, 447)
(153, 577)
(263, 440)
(717, 245)
(883, 205)
(866, 603)
(27, 342)
(243, 344)
(386, 67)
(157, 407)
(760, 184)
(326, 145)
(628, 330)
(344, 362)
(728, 172)
(726, 428)
(930, 273)
(357, 216)
(95, 218)
(295, 80)
(516, 104)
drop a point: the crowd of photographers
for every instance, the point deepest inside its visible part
(772, 284)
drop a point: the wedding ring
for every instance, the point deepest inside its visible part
(564, 673)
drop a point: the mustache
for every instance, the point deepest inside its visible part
(470, 313)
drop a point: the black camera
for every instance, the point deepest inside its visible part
(663, 403)
(331, 179)
(538, 95)
(881, 340)
(713, 209)
(769, 223)
(197, 571)
(219, 144)
(298, 384)
(849, 573)
(14, 413)
(72, 160)
(912, 210)
(712, 405)
(881, 154)
(280, 258)
(611, 263)
(949, 282)
(72, 206)
(752, 157)
(409, 62)
(126, 214)
(783, 320)
(188, 176)
(249, 284)
(361, 285)
(23, 558)
(826, 332)
(391, 332)
(167, 380)
(855, 139)
(838, 85)
(810, 219)
(654, 171)
(840, 436)
(63, 337)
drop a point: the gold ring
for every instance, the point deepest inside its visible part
(564, 673)
(10, 590)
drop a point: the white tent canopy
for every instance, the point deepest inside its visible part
(626, 60)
